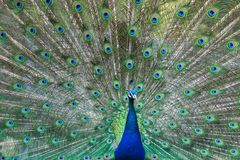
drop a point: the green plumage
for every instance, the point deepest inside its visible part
(65, 67)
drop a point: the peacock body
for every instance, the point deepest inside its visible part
(119, 79)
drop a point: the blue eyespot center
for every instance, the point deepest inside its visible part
(60, 29)
(157, 75)
(108, 49)
(213, 91)
(180, 13)
(78, 7)
(154, 20)
(132, 31)
(129, 65)
(230, 44)
(138, 1)
(146, 53)
(60, 121)
(19, 5)
(200, 41)
(33, 30)
(96, 93)
(49, 2)
(105, 14)
(179, 66)
(3, 34)
(20, 57)
(88, 36)
(214, 68)
(187, 91)
(44, 81)
(46, 54)
(211, 13)
(163, 51)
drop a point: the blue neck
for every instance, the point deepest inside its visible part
(131, 124)
(130, 146)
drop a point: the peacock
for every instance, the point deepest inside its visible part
(120, 79)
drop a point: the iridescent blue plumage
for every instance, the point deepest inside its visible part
(130, 146)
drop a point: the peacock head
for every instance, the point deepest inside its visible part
(132, 94)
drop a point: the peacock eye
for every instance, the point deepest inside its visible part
(200, 41)
(48, 2)
(88, 36)
(3, 35)
(60, 29)
(155, 18)
(19, 5)
(181, 13)
(179, 66)
(163, 51)
(211, 13)
(78, 6)
(32, 30)
(230, 45)
(105, 14)
(213, 68)
(147, 53)
(138, 1)
(132, 32)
